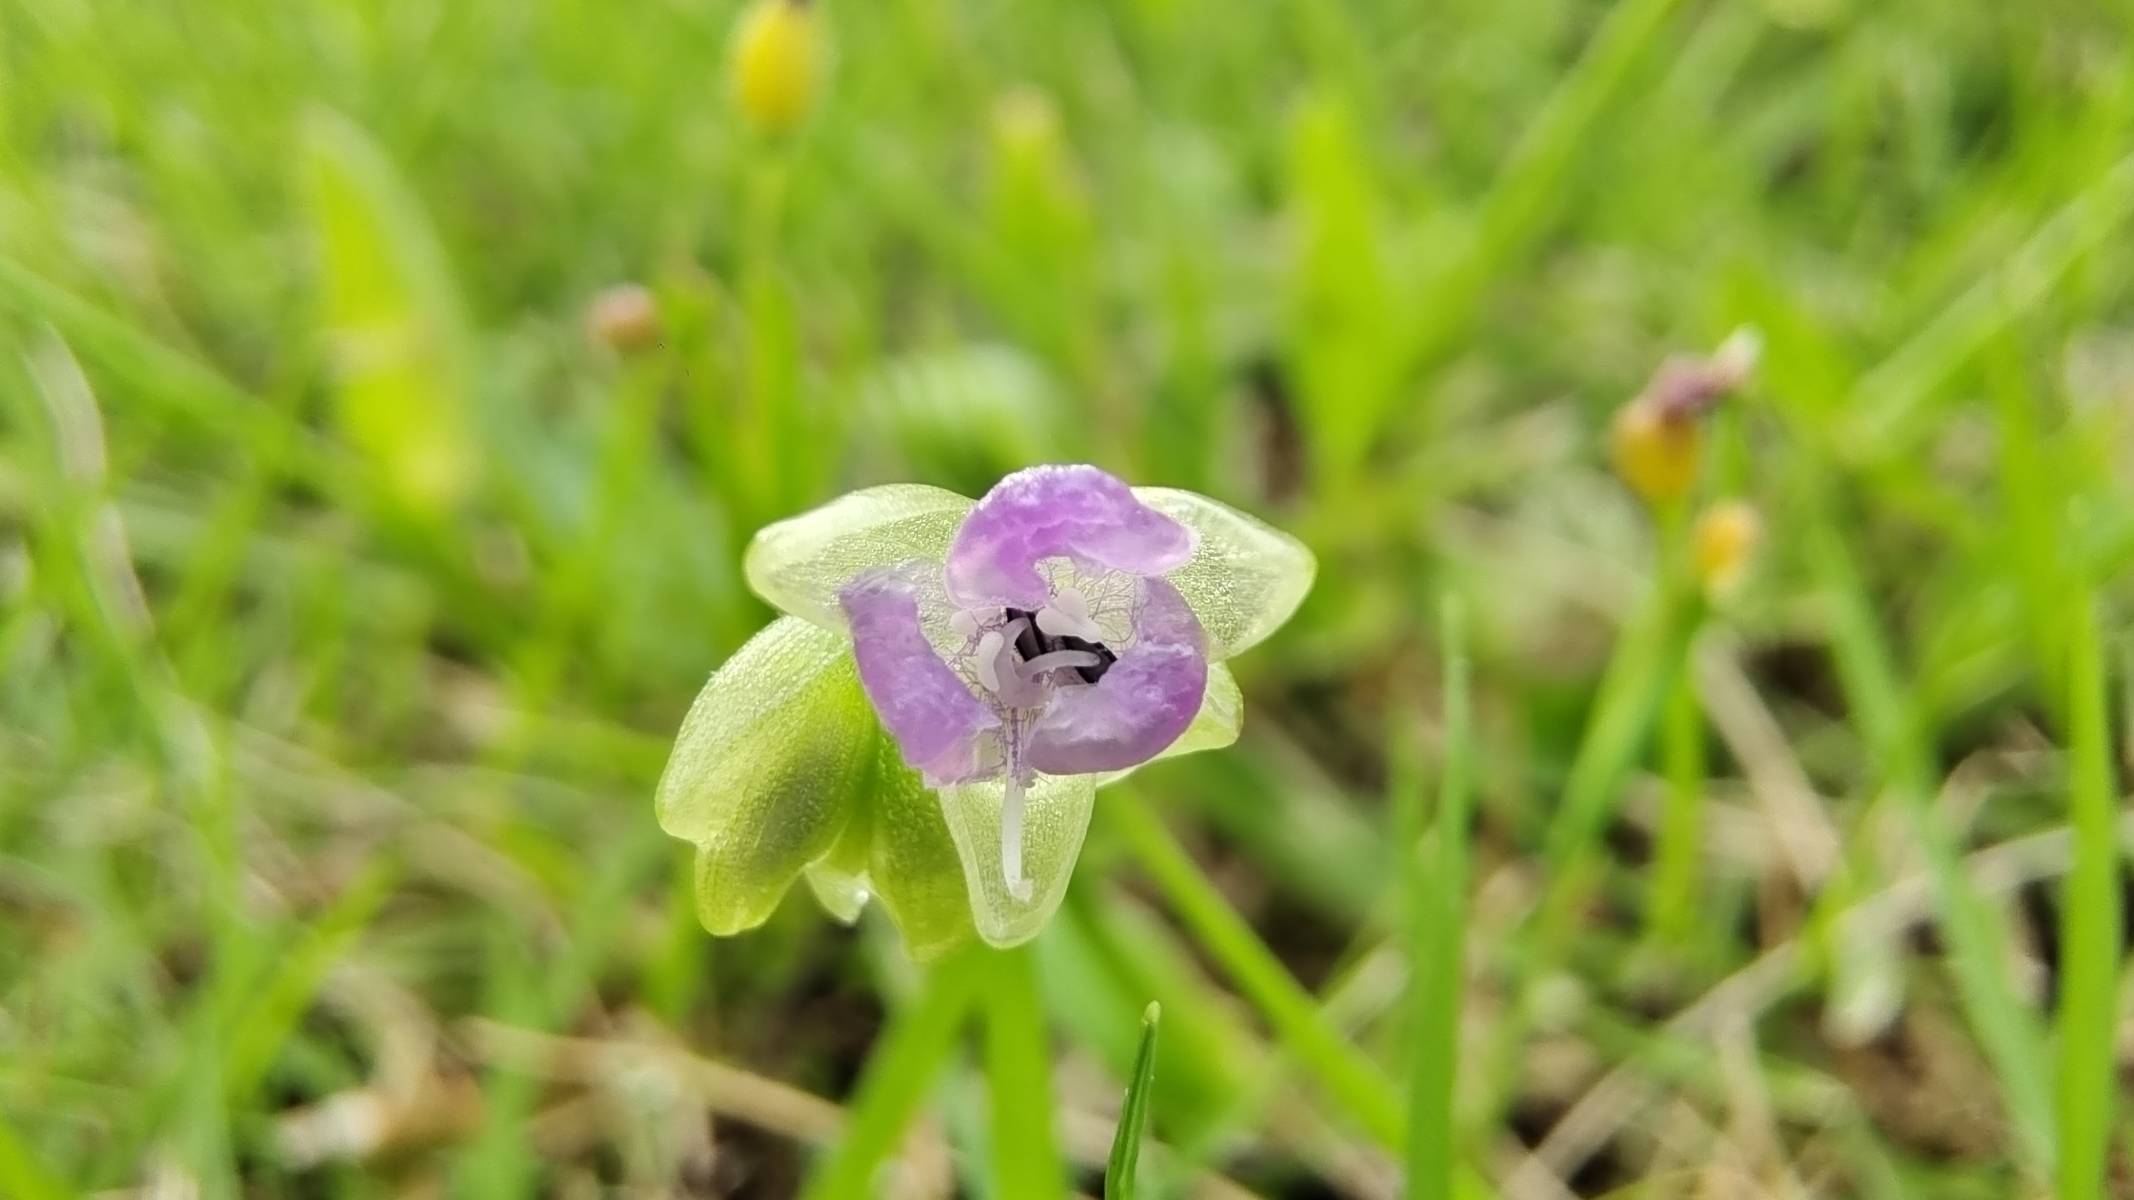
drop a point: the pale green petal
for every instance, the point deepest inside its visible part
(1055, 818)
(912, 864)
(1221, 715)
(1245, 578)
(767, 766)
(839, 878)
(842, 894)
(799, 564)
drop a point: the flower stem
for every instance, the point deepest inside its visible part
(919, 1040)
(1026, 1157)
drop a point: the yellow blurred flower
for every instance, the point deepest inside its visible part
(777, 63)
(1657, 440)
(1655, 451)
(1726, 538)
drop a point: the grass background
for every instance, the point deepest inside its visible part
(350, 594)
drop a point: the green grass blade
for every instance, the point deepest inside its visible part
(23, 1176)
(391, 318)
(1529, 190)
(1679, 858)
(1897, 392)
(279, 1002)
(1350, 1079)
(1647, 657)
(1120, 1170)
(1437, 930)
(917, 1045)
(1026, 1156)
(2089, 922)
(1977, 942)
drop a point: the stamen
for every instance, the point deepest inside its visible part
(987, 663)
(1060, 659)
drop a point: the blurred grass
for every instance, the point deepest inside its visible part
(350, 592)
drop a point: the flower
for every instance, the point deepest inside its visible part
(952, 682)
(1724, 541)
(777, 53)
(1657, 440)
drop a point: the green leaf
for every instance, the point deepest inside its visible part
(1125, 1162)
(799, 564)
(390, 317)
(768, 764)
(1055, 819)
(1245, 578)
(912, 863)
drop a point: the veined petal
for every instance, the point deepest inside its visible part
(1056, 812)
(1245, 576)
(1141, 705)
(913, 863)
(801, 563)
(768, 763)
(1222, 714)
(1045, 512)
(922, 702)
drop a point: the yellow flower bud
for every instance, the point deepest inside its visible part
(777, 62)
(1725, 538)
(1657, 439)
(1656, 450)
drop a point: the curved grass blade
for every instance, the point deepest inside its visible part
(1437, 917)
(1119, 1172)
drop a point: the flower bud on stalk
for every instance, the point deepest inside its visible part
(1657, 440)
(1724, 543)
(777, 63)
(623, 319)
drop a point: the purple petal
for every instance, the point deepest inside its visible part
(1046, 512)
(923, 704)
(1141, 705)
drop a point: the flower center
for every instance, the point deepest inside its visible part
(1020, 656)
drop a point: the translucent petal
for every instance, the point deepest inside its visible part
(912, 862)
(1245, 578)
(1141, 705)
(841, 893)
(1222, 714)
(799, 564)
(1055, 819)
(839, 878)
(768, 763)
(1078, 512)
(923, 703)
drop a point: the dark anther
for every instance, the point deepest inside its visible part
(1033, 641)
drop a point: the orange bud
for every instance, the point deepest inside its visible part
(624, 319)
